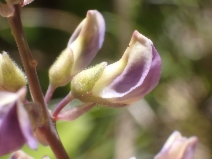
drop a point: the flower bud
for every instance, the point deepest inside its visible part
(85, 81)
(82, 47)
(125, 81)
(11, 77)
(178, 147)
(60, 71)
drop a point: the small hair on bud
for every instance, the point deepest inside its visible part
(60, 71)
(12, 77)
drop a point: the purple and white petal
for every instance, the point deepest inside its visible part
(87, 40)
(150, 82)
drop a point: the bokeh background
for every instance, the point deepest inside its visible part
(182, 33)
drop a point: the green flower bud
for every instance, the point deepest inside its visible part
(59, 73)
(11, 76)
(85, 80)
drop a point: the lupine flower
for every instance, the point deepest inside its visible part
(82, 47)
(7, 9)
(123, 82)
(178, 147)
(11, 76)
(15, 128)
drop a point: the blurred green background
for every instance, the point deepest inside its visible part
(182, 33)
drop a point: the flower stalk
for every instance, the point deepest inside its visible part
(62, 104)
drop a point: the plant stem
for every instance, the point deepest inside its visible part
(49, 94)
(62, 104)
(29, 63)
(75, 112)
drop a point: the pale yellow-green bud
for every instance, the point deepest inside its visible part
(83, 82)
(60, 71)
(11, 76)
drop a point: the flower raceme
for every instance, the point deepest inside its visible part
(82, 47)
(178, 147)
(123, 82)
(15, 127)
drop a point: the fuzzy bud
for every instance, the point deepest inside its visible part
(59, 73)
(11, 76)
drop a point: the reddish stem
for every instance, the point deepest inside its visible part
(49, 94)
(62, 104)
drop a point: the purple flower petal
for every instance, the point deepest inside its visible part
(99, 26)
(15, 129)
(148, 84)
(87, 40)
(11, 137)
